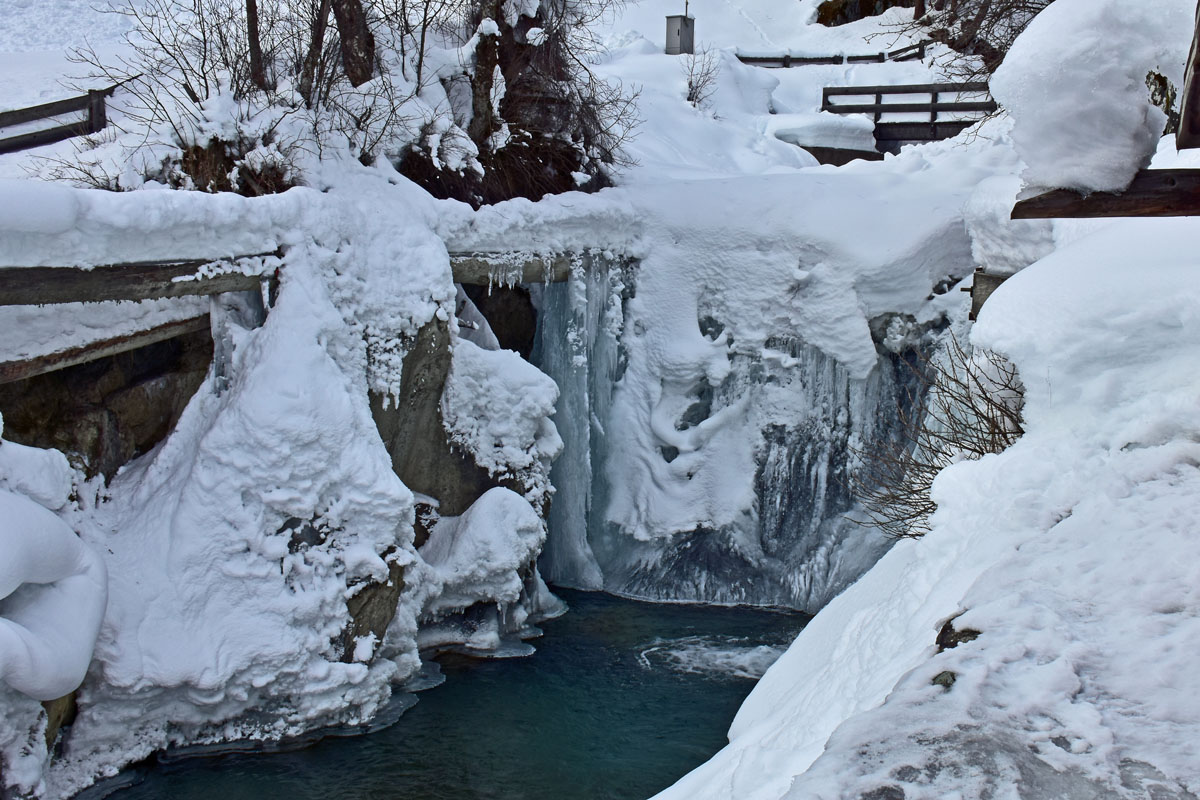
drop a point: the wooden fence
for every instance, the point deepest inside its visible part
(888, 135)
(93, 103)
(914, 52)
(146, 280)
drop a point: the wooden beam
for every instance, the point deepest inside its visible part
(920, 131)
(1188, 135)
(1153, 193)
(20, 370)
(909, 108)
(27, 286)
(32, 113)
(970, 87)
(981, 288)
(485, 269)
(59, 133)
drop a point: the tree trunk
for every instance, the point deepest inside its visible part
(313, 59)
(487, 57)
(358, 44)
(258, 72)
(919, 9)
(421, 45)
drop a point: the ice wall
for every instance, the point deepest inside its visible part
(785, 420)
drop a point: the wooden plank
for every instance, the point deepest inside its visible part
(873, 58)
(32, 113)
(48, 136)
(981, 288)
(20, 370)
(486, 269)
(1188, 135)
(1153, 193)
(22, 286)
(970, 87)
(914, 52)
(839, 156)
(907, 108)
(791, 61)
(920, 131)
(798, 60)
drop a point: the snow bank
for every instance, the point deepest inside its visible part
(498, 407)
(478, 556)
(1075, 84)
(52, 598)
(1073, 552)
(53, 592)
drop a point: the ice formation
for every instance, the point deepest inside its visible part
(714, 389)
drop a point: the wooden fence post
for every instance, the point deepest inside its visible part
(97, 114)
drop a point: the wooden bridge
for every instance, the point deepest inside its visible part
(890, 134)
(247, 276)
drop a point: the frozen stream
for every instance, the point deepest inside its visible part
(620, 700)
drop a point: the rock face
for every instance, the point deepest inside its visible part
(371, 611)
(411, 428)
(110, 410)
(510, 313)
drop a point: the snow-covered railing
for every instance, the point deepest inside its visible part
(95, 120)
(891, 133)
(1152, 193)
(146, 280)
(915, 52)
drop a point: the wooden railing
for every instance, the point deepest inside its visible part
(241, 276)
(93, 103)
(890, 133)
(914, 52)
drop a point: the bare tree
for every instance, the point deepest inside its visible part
(701, 70)
(258, 71)
(358, 43)
(969, 405)
(984, 29)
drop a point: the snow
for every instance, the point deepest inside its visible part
(53, 591)
(497, 406)
(705, 390)
(53, 594)
(479, 554)
(1075, 84)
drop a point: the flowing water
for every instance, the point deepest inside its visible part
(621, 699)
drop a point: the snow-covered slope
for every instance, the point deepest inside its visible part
(1073, 553)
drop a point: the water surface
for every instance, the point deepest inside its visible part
(621, 699)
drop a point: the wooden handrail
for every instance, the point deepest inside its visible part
(898, 108)
(969, 87)
(1152, 193)
(143, 280)
(93, 103)
(909, 53)
(146, 280)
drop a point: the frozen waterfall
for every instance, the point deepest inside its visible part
(781, 426)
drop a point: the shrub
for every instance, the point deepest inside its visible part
(968, 405)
